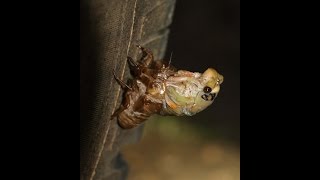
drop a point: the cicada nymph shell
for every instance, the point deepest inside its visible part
(158, 88)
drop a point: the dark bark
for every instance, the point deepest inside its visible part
(109, 32)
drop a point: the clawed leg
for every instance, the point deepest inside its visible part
(134, 67)
(121, 83)
(132, 63)
(126, 101)
(147, 56)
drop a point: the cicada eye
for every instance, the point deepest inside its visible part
(207, 89)
(213, 95)
(209, 97)
(205, 97)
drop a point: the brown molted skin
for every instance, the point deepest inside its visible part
(142, 98)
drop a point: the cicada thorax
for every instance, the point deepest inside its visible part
(138, 112)
(145, 95)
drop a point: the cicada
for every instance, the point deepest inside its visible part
(159, 88)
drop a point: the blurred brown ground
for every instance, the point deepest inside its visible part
(173, 150)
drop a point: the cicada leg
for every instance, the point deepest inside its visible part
(147, 56)
(126, 101)
(120, 82)
(134, 67)
(140, 71)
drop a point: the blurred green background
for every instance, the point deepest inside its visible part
(206, 146)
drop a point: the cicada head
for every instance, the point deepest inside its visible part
(188, 93)
(210, 81)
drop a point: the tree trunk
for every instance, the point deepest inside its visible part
(109, 32)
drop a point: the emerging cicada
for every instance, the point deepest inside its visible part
(158, 88)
